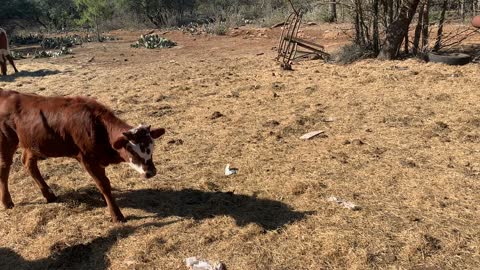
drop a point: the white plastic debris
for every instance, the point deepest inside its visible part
(230, 171)
(328, 119)
(343, 203)
(191, 261)
(197, 264)
(129, 262)
(312, 134)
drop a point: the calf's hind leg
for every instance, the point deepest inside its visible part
(8, 145)
(10, 59)
(30, 164)
(3, 65)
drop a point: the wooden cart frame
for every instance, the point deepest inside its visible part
(290, 47)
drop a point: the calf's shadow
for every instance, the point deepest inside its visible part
(191, 203)
(26, 73)
(197, 204)
(89, 255)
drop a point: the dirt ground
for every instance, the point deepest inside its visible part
(401, 140)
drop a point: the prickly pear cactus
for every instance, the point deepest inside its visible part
(59, 42)
(153, 42)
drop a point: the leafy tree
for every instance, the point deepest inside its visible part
(57, 14)
(159, 12)
(93, 12)
(19, 10)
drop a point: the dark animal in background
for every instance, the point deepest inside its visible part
(76, 127)
(5, 53)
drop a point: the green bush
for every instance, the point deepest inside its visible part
(217, 28)
(317, 14)
(351, 53)
(274, 17)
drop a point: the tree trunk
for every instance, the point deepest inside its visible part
(376, 35)
(390, 12)
(97, 29)
(474, 8)
(462, 10)
(405, 43)
(384, 4)
(37, 19)
(438, 43)
(418, 30)
(359, 33)
(426, 21)
(396, 11)
(396, 31)
(333, 11)
(364, 28)
(153, 20)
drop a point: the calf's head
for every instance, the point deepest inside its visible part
(138, 145)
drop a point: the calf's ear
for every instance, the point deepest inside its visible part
(120, 142)
(157, 132)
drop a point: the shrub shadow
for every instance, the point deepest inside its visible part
(197, 204)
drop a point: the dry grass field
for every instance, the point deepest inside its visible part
(401, 140)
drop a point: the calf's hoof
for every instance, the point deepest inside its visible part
(119, 219)
(51, 198)
(8, 204)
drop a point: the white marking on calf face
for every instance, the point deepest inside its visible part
(140, 148)
(144, 157)
(136, 167)
(147, 155)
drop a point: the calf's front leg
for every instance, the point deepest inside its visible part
(5, 197)
(103, 184)
(8, 145)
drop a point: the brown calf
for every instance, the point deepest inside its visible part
(476, 21)
(5, 53)
(75, 127)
